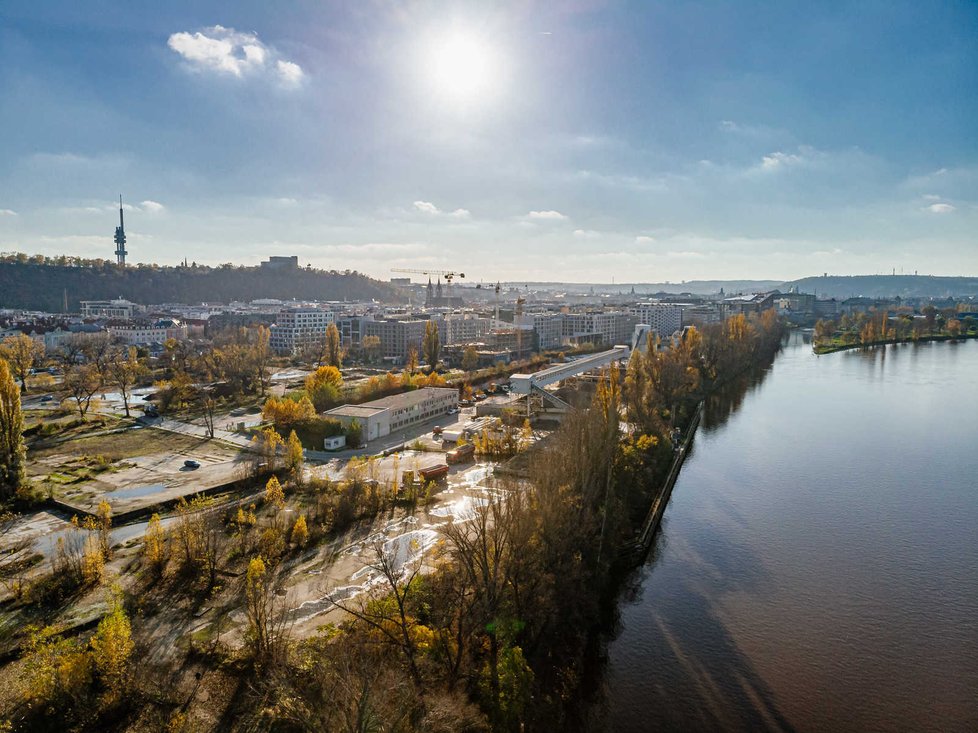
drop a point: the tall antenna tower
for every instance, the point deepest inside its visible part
(120, 239)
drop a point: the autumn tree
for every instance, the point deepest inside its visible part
(323, 387)
(371, 347)
(11, 435)
(431, 345)
(262, 355)
(22, 353)
(124, 371)
(300, 532)
(294, 457)
(470, 359)
(334, 348)
(411, 365)
(81, 382)
(154, 544)
(112, 648)
(267, 621)
(274, 494)
(285, 413)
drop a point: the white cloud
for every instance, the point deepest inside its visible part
(289, 72)
(8, 212)
(940, 208)
(426, 207)
(644, 239)
(227, 51)
(152, 207)
(547, 215)
(779, 160)
(586, 234)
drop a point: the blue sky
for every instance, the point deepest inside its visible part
(580, 140)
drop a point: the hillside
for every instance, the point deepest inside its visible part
(37, 285)
(886, 286)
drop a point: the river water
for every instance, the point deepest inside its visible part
(817, 567)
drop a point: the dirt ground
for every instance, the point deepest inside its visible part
(132, 469)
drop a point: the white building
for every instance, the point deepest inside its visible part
(599, 327)
(664, 318)
(118, 308)
(387, 415)
(156, 333)
(461, 328)
(297, 328)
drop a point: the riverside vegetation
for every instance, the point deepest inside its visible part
(487, 632)
(878, 327)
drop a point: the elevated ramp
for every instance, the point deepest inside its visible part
(526, 384)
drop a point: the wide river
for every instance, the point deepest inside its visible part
(817, 567)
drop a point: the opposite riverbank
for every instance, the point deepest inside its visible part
(836, 344)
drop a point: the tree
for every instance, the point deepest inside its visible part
(431, 345)
(294, 457)
(154, 544)
(22, 353)
(411, 366)
(470, 359)
(81, 382)
(300, 533)
(124, 370)
(274, 494)
(262, 356)
(323, 387)
(285, 412)
(371, 347)
(11, 435)
(334, 348)
(112, 647)
(266, 622)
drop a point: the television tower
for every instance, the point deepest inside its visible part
(120, 239)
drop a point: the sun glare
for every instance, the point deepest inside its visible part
(462, 67)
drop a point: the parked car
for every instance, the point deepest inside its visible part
(436, 430)
(191, 463)
(47, 398)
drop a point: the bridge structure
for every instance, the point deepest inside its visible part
(530, 384)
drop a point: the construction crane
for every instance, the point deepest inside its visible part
(449, 275)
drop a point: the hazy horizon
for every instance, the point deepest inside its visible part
(581, 143)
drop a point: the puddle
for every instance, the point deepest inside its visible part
(135, 492)
(461, 510)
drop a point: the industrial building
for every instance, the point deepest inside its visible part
(387, 415)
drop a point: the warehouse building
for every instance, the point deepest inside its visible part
(387, 415)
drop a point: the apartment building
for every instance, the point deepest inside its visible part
(297, 328)
(664, 318)
(397, 336)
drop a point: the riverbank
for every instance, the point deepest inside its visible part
(784, 590)
(837, 345)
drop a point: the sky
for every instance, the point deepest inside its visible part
(575, 141)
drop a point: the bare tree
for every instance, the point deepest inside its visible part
(386, 610)
(124, 370)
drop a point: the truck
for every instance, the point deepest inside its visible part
(433, 473)
(462, 453)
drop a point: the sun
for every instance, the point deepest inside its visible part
(462, 67)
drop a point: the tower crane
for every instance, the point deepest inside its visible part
(449, 275)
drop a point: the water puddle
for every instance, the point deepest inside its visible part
(136, 491)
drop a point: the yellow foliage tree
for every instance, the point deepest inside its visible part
(294, 457)
(154, 544)
(274, 494)
(300, 533)
(285, 413)
(54, 668)
(93, 561)
(112, 647)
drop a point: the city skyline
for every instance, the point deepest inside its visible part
(600, 141)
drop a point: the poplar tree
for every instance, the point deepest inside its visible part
(11, 435)
(431, 344)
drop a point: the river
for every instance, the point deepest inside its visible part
(817, 566)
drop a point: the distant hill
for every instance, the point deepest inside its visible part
(35, 285)
(885, 286)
